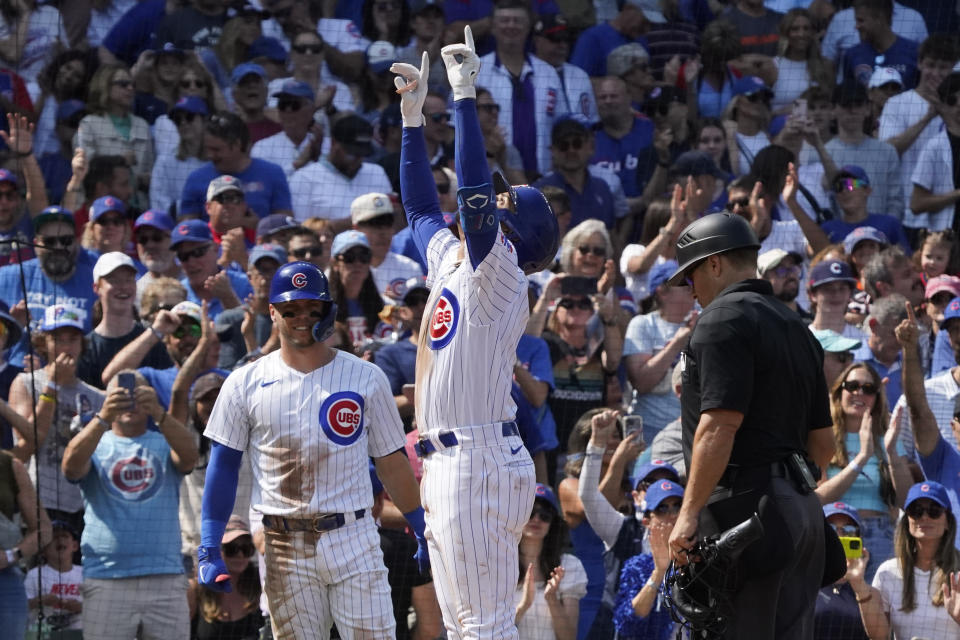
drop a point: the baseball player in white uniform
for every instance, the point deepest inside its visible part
(478, 479)
(310, 417)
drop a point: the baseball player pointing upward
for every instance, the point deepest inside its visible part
(309, 417)
(478, 480)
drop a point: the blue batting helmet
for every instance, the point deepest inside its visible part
(304, 281)
(531, 227)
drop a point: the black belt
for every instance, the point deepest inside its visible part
(424, 447)
(735, 474)
(320, 524)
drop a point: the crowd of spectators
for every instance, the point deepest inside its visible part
(161, 159)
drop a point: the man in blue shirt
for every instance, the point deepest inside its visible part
(193, 243)
(226, 143)
(852, 190)
(593, 45)
(55, 276)
(624, 142)
(882, 351)
(590, 197)
(130, 478)
(939, 460)
(879, 46)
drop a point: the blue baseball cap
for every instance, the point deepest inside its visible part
(833, 342)
(749, 85)
(860, 234)
(169, 49)
(391, 117)
(53, 214)
(654, 465)
(102, 205)
(660, 273)
(274, 223)
(928, 489)
(191, 104)
(348, 240)
(14, 330)
(841, 507)
(697, 163)
(61, 315)
(660, 491)
(296, 89)
(246, 69)
(156, 219)
(951, 311)
(267, 47)
(831, 271)
(546, 493)
(853, 171)
(190, 231)
(65, 526)
(9, 176)
(268, 250)
(70, 108)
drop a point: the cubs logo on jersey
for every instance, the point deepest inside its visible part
(444, 320)
(341, 417)
(134, 477)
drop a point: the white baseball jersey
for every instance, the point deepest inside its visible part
(308, 435)
(392, 273)
(469, 338)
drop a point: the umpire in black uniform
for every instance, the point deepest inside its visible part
(754, 412)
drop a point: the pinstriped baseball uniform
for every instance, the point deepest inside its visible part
(309, 436)
(477, 495)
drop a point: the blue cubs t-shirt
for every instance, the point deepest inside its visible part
(132, 499)
(42, 293)
(534, 354)
(264, 185)
(593, 45)
(595, 201)
(860, 61)
(631, 157)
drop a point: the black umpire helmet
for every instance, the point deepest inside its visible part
(710, 235)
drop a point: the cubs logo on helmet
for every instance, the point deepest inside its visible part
(134, 478)
(444, 320)
(299, 280)
(341, 417)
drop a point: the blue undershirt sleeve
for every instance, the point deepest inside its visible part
(219, 493)
(475, 197)
(419, 189)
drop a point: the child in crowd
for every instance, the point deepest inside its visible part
(61, 580)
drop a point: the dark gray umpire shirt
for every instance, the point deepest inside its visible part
(750, 353)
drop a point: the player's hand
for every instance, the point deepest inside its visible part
(411, 84)
(422, 556)
(211, 572)
(463, 74)
(551, 591)
(684, 536)
(907, 332)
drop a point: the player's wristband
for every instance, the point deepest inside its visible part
(415, 520)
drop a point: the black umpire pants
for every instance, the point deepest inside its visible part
(782, 573)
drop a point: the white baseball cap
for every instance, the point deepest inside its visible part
(110, 262)
(885, 75)
(370, 206)
(190, 309)
(61, 315)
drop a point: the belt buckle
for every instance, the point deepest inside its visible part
(322, 524)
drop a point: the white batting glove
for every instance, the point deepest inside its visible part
(411, 84)
(462, 75)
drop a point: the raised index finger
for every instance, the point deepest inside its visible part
(468, 38)
(910, 315)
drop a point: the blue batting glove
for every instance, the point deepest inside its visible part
(415, 519)
(211, 572)
(422, 556)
